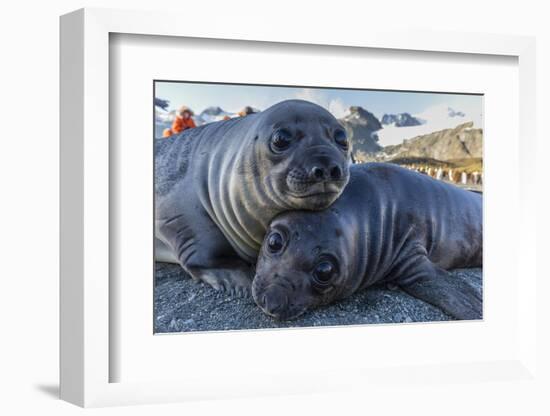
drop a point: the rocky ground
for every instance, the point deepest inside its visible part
(182, 305)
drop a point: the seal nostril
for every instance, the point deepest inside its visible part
(318, 173)
(336, 173)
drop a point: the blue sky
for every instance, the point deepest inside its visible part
(232, 98)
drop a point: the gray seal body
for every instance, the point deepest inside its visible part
(390, 225)
(218, 186)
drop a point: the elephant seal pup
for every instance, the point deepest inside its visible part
(218, 186)
(390, 225)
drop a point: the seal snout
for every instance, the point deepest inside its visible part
(331, 172)
(324, 164)
(321, 177)
(274, 301)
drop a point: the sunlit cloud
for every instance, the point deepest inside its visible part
(336, 106)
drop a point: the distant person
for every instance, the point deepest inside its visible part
(246, 111)
(183, 120)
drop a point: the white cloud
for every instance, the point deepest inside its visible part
(309, 95)
(442, 115)
(335, 106)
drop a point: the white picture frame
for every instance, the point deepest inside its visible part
(86, 356)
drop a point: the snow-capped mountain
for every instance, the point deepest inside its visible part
(213, 111)
(400, 120)
(162, 116)
(163, 120)
(454, 113)
(211, 114)
(439, 133)
(433, 119)
(362, 127)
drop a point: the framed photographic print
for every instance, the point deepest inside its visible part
(320, 202)
(266, 159)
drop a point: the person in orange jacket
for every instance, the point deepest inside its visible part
(183, 120)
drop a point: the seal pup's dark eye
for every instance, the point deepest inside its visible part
(281, 140)
(341, 139)
(275, 242)
(324, 272)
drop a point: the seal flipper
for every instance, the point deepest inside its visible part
(163, 252)
(203, 252)
(234, 277)
(434, 285)
(207, 258)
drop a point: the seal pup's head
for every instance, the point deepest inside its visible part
(302, 154)
(305, 261)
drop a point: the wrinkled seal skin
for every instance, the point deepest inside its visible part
(218, 186)
(390, 225)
